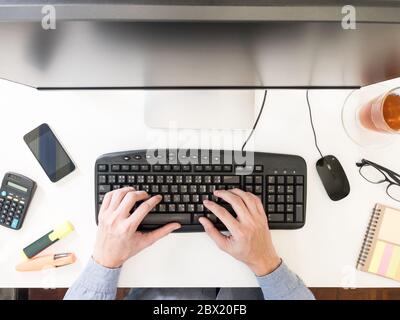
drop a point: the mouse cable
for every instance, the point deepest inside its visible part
(312, 124)
(258, 118)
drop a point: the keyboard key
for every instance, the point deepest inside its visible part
(299, 213)
(144, 168)
(155, 188)
(125, 168)
(159, 179)
(167, 198)
(207, 179)
(289, 198)
(248, 179)
(299, 194)
(121, 179)
(102, 167)
(280, 208)
(281, 179)
(231, 179)
(176, 168)
(271, 189)
(196, 218)
(104, 188)
(162, 218)
(193, 189)
(217, 179)
(258, 168)
(174, 188)
(258, 179)
(190, 207)
(135, 168)
(271, 198)
(289, 179)
(280, 189)
(271, 179)
(299, 180)
(289, 189)
(289, 218)
(162, 208)
(172, 207)
(276, 217)
(208, 168)
(198, 168)
(212, 217)
(186, 168)
(181, 208)
(157, 168)
(289, 208)
(167, 167)
(102, 179)
(227, 168)
(140, 179)
(188, 179)
(178, 179)
(249, 188)
(271, 208)
(280, 198)
(217, 168)
(176, 198)
(195, 198)
(164, 188)
(115, 168)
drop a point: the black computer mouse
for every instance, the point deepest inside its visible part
(333, 177)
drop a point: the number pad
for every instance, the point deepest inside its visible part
(285, 198)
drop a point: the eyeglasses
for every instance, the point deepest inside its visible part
(376, 174)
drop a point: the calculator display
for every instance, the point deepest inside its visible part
(16, 186)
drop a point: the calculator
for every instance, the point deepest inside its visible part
(16, 193)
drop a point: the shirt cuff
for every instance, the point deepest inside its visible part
(98, 278)
(279, 284)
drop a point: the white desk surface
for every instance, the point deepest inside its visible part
(90, 123)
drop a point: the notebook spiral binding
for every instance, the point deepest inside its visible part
(368, 238)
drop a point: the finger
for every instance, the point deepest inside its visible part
(138, 215)
(105, 204)
(248, 199)
(235, 201)
(129, 202)
(117, 196)
(260, 206)
(159, 233)
(227, 219)
(214, 234)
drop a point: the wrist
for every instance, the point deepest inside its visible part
(266, 266)
(106, 262)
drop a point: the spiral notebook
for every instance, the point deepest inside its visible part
(380, 252)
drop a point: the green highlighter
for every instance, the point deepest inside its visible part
(47, 240)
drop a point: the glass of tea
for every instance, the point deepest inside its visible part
(382, 114)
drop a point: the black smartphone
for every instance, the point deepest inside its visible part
(49, 152)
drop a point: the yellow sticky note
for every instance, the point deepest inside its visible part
(394, 263)
(377, 257)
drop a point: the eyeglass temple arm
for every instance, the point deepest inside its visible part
(395, 176)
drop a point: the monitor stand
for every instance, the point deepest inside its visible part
(200, 108)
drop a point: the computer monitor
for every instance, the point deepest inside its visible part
(227, 44)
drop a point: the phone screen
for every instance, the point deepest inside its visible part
(49, 152)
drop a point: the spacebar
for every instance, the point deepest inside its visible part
(163, 218)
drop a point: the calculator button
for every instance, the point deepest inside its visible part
(14, 223)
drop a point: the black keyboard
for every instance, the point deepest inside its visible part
(186, 178)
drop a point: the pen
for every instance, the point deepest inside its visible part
(48, 239)
(45, 262)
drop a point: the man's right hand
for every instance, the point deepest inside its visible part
(250, 240)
